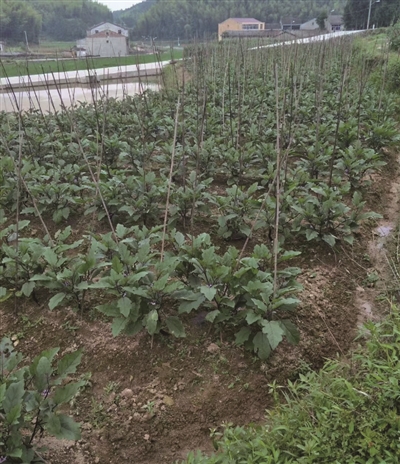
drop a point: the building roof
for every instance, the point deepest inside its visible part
(105, 34)
(107, 22)
(247, 20)
(291, 20)
(335, 20)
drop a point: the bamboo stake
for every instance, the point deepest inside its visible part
(277, 186)
(170, 181)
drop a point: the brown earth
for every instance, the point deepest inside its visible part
(151, 401)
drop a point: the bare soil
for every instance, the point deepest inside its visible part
(151, 401)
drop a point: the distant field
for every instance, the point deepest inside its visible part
(12, 68)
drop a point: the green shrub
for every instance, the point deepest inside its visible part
(393, 76)
(346, 413)
(394, 37)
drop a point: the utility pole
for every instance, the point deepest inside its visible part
(369, 11)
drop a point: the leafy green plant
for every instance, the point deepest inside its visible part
(322, 214)
(236, 210)
(241, 292)
(30, 397)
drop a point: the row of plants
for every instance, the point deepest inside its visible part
(140, 288)
(256, 145)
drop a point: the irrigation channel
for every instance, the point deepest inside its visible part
(51, 92)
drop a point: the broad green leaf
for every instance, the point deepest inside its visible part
(329, 239)
(179, 239)
(43, 373)
(242, 336)
(188, 306)
(175, 326)
(27, 288)
(50, 256)
(133, 327)
(143, 252)
(2, 392)
(116, 265)
(109, 310)
(252, 317)
(274, 332)
(62, 427)
(160, 284)
(4, 294)
(311, 234)
(121, 230)
(349, 239)
(65, 394)
(56, 300)
(13, 415)
(13, 396)
(208, 292)
(15, 453)
(212, 315)
(261, 346)
(124, 305)
(118, 325)
(291, 332)
(151, 322)
(287, 302)
(69, 363)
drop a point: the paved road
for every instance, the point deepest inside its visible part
(307, 40)
(82, 76)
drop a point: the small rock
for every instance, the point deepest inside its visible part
(213, 348)
(97, 460)
(127, 393)
(147, 437)
(168, 400)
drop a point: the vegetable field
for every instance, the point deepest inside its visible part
(186, 227)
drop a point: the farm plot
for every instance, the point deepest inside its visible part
(184, 236)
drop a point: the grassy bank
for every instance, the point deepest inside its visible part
(346, 413)
(26, 67)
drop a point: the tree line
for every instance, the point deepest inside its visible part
(170, 19)
(384, 13)
(55, 19)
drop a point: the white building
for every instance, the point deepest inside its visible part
(105, 40)
(2, 47)
(310, 25)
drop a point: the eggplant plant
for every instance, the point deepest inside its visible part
(241, 292)
(321, 213)
(31, 397)
(237, 209)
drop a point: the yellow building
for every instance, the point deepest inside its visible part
(239, 24)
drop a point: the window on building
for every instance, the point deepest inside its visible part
(248, 27)
(119, 31)
(107, 41)
(96, 31)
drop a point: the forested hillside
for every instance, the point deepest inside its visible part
(130, 16)
(188, 18)
(56, 19)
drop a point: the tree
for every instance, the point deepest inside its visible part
(321, 18)
(17, 18)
